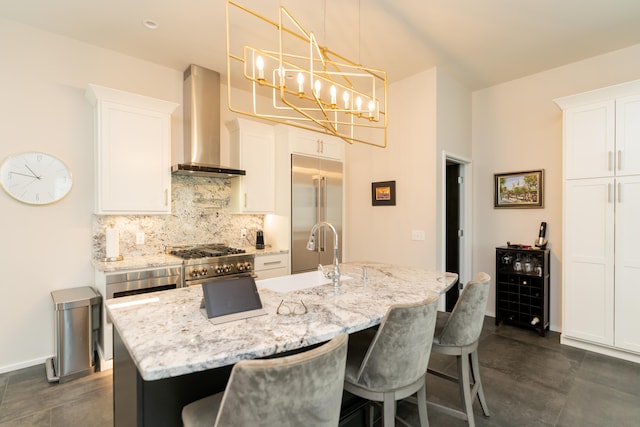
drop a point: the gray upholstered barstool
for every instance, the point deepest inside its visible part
(391, 363)
(304, 389)
(457, 334)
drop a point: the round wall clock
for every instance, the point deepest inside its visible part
(35, 178)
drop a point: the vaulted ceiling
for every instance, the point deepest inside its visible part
(479, 42)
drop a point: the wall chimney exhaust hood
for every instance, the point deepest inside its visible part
(201, 109)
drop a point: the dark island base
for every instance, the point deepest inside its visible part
(137, 402)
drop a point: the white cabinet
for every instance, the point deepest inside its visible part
(627, 263)
(252, 148)
(132, 152)
(601, 256)
(627, 153)
(315, 144)
(588, 310)
(271, 265)
(591, 129)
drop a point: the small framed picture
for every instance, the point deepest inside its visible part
(519, 189)
(383, 193)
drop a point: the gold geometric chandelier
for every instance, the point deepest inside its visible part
(294, 80)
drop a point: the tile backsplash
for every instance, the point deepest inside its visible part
(199, 214)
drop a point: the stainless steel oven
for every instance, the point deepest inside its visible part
(142, 282)
(125, 283)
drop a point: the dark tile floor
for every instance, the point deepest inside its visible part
(529, 380)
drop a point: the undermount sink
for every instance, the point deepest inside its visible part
(296, 282)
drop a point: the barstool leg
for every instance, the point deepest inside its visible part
(389, 410)
(475, 368)
(465, 387)
(422, 406)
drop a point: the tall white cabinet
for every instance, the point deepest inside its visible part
(601, 254)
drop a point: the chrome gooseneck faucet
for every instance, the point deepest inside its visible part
(311, 246)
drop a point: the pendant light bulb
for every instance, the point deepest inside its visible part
(345, 98)
(332, 91)
(300, 84)
(317, 85)
(260, 67)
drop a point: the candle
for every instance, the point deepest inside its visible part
(260, 67)
(300, 83)
(317, 85)
(333, 95)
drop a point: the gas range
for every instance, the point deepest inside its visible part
(212, 261)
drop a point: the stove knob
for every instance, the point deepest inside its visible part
(247, 266)
(219, 269)
(194, 273)
(228, 268)
(240, 267)
(204, 271)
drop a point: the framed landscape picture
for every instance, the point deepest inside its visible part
(383, 193)
(519, 189)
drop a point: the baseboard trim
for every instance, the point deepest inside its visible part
(25, 364)
(596, 348)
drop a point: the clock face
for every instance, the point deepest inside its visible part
(35, 178)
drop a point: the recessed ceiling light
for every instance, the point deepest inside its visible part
(150, 24)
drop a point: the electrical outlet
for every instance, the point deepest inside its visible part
(243, 233)
(140, 238)
(417, 235)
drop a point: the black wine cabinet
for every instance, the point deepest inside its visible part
(522, 287)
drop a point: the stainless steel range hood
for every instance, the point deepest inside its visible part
(201, 109)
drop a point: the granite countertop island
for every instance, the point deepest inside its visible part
(167, 336)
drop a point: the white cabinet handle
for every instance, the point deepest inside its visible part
(619, 192)
(609, 159)
(608, 193)
(619, 159)
(273, 262)
(245, 200)
(166, 197)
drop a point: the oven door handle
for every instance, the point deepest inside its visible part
(196, 282)
(149, 283)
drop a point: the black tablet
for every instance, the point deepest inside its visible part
(232, 299)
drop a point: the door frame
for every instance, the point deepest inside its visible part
(465, 217)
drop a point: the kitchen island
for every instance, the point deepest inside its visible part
(167, 353)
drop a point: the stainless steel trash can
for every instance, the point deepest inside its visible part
(77, 321)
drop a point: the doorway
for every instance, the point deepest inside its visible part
(452, 227)
(456, 225)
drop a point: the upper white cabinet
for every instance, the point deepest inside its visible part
(252, 148)
(601, 255)
(627, 153)
(132, 152)
(601, 133)
(589, 140)
(315, 144)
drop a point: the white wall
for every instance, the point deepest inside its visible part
(428, 113)
(43, 78)
(453, 138)
(517, 126)
(383, 233)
